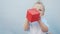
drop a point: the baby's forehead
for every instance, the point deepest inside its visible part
(38, 6)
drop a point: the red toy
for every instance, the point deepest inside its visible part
(33, 15)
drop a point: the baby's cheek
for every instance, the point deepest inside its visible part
(41, 13)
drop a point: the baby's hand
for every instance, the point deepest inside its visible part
(44, 28)
(39, 21)
(26, 25)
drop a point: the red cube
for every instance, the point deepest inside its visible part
(33, 15)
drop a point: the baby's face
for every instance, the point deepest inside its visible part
(40, 8)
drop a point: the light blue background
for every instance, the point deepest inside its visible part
(12, 15)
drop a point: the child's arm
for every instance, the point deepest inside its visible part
(44, 28)
(26, 25)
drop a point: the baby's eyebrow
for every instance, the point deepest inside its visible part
(40, 9)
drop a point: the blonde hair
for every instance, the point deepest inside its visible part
(41, 4)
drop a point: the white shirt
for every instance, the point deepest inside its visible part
(35, 28)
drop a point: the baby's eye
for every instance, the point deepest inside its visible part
(40, 10)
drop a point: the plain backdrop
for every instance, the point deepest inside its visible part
(12, 15)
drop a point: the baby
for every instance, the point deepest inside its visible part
(40, 26)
